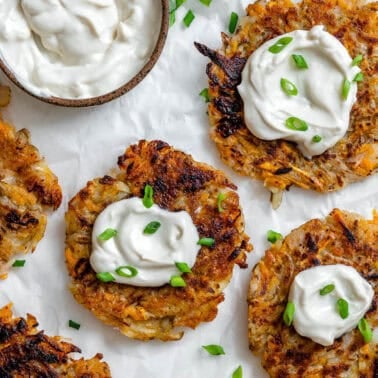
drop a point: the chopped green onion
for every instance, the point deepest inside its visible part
(173, 6)
(189, 17)
(172, 18)
(183, 267)
(238, 373)
(220, 199)
(288, 314)
(345, 89)
(205, 94)
(107, 234)
(297, 124)
(343, 308)
(365, 330)
(316, 138)
(300, 61)
(213, 349)
(280, 45)
(327, 289)
(73, 324)
(288, 87)
(357, 60)
(152, 227)
(133, 271)
(234, 18)
(105, 277)
(359, 77)
(19, 263)
(206, 2)
(208, 242)
(273, 236)
(177, 281)
(148, 200)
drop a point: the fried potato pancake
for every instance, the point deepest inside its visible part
(28, 189)
(179, 183)
(27, 352)
(342, 238)
(279, 164)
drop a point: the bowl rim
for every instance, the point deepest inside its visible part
(109, 96)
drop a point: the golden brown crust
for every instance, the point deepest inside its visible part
(27, 352)
(179, 183)
(28, 189)
(342, 238)
(278, 163)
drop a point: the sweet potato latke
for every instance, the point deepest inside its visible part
(28, 189)
(342, 238)
(279, 164)
(27, 352)
(179, 183)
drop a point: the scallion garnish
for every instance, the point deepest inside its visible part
(327, 289)
(206, 2)
(172, 18)
(359, 77)
(297, 124)
(205, 94)
(152, 227)
(221, 197)
(288, 314)
(177, 281)
(208, 242)
(273, 236)
(365, 330)
(214, 349)
(107, 234)
(280, 45)
(357, 60)
(288, 87)
(183, 267)
(316, 138)
(300, 61)
(73, 324)
(343, 308)
(105, 277)
(189, 17)
(148, 200)
(173, 6)
(19, 263)
(238, 373)
(132, 272)
(234, 18)
(345, 89)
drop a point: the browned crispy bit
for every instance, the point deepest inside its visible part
(5, 95)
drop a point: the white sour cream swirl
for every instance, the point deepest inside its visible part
(319, 100)
(154, 255)
(316, 315)
(77, 49)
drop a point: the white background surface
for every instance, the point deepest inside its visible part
(80, 144)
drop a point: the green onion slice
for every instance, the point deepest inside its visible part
(288, 314)
(343, 308)
(280, 45)
(172, 18)
(107, 234)
(273, 236)
(221, 197)
(208, 242)
(288, 87)
(177, 281)
(365, 330)
(205, 94)
(214, 349)
(189, 17)
(234, 18)
(132, 271)
(238, 373)
(327, 289)
(359, 77)
(19, 263)
(297, 124)
(152, 227)
(357, 60)
(316, 138)
(345, 88)
(73, 324)
(206, 2)
(183, 267)
(105, 277)
(300, 61)
(148, 200)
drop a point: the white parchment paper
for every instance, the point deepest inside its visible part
(80, 144)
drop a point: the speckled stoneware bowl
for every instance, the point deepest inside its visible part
(82, 102)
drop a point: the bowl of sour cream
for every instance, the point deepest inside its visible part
(83, 52)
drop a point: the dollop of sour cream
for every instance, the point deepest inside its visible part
(153, 255)
(77, 49)
(316, 316)
(319, 101)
